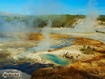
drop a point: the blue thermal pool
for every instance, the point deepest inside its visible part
(56, 59)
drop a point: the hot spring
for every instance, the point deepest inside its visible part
(56, 59)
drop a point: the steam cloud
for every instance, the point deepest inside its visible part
(45, 43)
(11, 29)
(89, 23)
(12, 26)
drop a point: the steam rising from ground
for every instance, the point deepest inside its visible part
(88, 24)
(12, 28)
(45, 43)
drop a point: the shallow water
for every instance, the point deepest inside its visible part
(56, 59)
(64, 42)
(27, 68)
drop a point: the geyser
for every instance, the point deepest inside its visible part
(45, 43)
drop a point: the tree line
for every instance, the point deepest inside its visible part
(66, 20)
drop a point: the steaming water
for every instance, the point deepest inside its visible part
(64, 42)
(44, 44)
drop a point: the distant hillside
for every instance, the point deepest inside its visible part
(4, 13)
(10, 14)
(59, 21)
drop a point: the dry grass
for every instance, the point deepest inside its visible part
(82, 41)
(97, 58)
(64, 73)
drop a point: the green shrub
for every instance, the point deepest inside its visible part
(87, 50)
